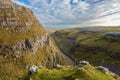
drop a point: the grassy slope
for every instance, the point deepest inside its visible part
(72, 73)
(12, 38)
(69, 39)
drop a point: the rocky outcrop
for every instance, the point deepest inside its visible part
(24, 46)
(112, 36)
(32, 47)
(16, 18)
(103, 69)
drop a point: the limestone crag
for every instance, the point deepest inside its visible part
(16, 18)
(23, 42)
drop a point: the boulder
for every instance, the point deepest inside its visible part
(40, 67)
(81, 69)
(83, 62)
(33, 69)
(59, 66)
(103, 69)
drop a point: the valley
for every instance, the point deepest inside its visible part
(28, 51)
(99, 46)
(69, 59)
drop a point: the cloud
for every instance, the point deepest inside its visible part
(75, 13)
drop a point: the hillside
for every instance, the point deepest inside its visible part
(98, 45)
(23, 42)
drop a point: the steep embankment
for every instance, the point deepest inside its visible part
(99, 46)
(23, 42)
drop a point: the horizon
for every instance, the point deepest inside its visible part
(74, 13)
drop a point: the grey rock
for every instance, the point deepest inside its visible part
(103, 69)
(59, 66)
(81, 69)
(33, 69)
(113, 34)
(83, 62)
(40, 67)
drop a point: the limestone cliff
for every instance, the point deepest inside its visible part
(23, 42)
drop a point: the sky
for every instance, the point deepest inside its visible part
(75, 13)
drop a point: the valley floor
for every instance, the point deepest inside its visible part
(69, 59)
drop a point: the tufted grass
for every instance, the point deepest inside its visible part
(71, 73)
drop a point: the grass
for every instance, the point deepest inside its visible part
(12, 38)
(72, 73)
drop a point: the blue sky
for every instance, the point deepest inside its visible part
(75, 13)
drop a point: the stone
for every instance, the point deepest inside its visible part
(59, 66)
(30, 78)
(81, 69)
(103, 69)
(33, 69)
(40, 67)
(84, 62)
(113, 34)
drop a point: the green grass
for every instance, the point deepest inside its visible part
(72, 73)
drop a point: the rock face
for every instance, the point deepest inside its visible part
(25, 45)
(18, 19)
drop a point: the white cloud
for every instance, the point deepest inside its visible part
(78, 13)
